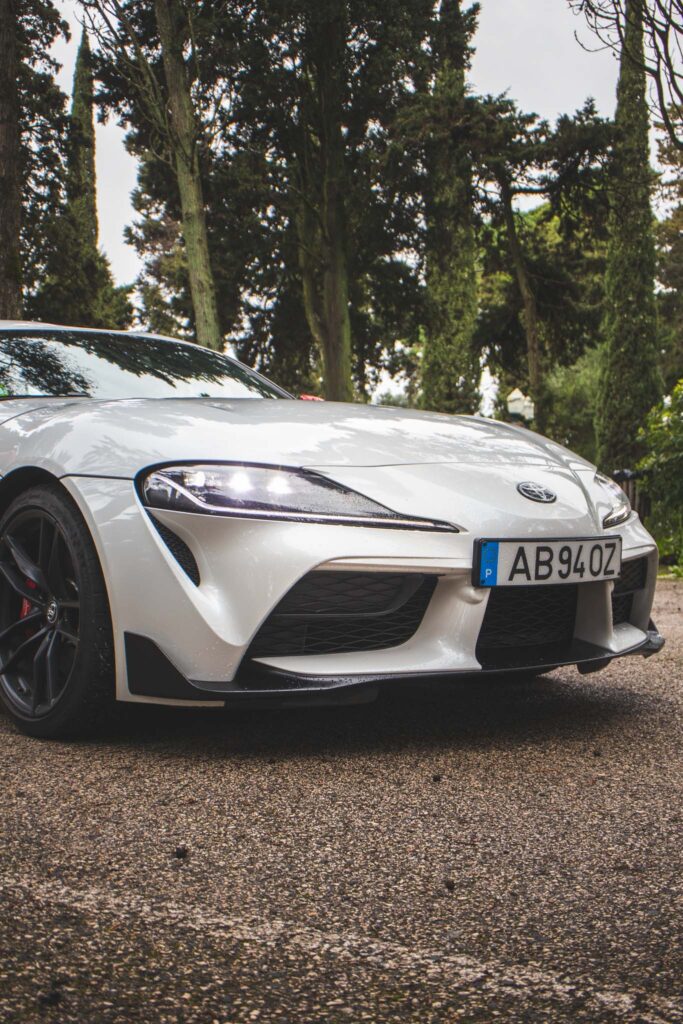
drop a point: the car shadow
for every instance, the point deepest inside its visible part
(437, 714)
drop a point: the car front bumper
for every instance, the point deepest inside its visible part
(177, 642)
(150, 673)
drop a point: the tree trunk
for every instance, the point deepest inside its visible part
(531, 325)
(308, 233)
(10, 166)
(326, 300)
(321, 220)
(170, 19)
(337, 337)
(336, 318)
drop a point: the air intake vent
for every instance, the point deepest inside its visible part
(527, 625)
(179, 550)
(632, 579)
(339, 612)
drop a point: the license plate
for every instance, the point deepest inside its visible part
(519, 563)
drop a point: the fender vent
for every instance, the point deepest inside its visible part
(179, 550)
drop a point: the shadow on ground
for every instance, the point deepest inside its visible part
(473, 713)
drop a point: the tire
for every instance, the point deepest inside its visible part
(56, 644)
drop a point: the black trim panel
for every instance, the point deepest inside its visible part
(151, 674)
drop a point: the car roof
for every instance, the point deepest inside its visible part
(4, 324)
(13, 325)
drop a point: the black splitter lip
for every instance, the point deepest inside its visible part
(152, 674)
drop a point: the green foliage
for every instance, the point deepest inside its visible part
(371, 196)
(256, 85)
(451, 364)
(669, 240)
(44, 132)
(252, 245)
(535, 265)
(396, 399)
(565, 256)
(630, 381)
(324, 85)
(662, 438)
(81, 175)
(77, 287)
(573, 397)
(10, 165)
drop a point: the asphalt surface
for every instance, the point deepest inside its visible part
(484, 851)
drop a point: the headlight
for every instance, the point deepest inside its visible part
(615, 508)
(268, 492)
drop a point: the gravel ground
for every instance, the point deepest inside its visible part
(492, 850)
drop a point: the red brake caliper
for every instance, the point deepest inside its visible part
(26, 605)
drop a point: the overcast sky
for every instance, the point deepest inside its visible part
(524, 46)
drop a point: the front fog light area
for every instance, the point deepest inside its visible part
(274, 492)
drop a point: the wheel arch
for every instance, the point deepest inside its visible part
(71, 710)
(19, 480)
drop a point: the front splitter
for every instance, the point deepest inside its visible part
(152, 674)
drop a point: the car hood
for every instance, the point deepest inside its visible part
(459, 469)
(118, 438)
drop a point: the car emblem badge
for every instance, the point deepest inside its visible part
(52, 612)
(536, 492)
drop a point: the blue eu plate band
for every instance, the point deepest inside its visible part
(488, 563)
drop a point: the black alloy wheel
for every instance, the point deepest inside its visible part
(55, 657)
(40, 613)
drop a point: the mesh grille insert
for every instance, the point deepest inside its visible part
(633, 578)
(622, 606)
(339, 612)
(539, 620)
(179, 550)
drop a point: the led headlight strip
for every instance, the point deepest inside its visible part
(268, 492)
(621, 506)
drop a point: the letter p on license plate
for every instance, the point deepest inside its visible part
(521, 563)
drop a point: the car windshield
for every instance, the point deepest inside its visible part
(101, 365)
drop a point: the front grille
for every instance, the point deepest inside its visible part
(633, 578)
(341, 612)
(527, 625)
(622, 606)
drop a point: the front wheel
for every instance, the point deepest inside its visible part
(56, 648)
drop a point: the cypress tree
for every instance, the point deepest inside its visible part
(451, 368)
(10, 165)
(81, 174)
(78, 288)
(630, 379)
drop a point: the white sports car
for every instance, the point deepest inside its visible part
(176, 529)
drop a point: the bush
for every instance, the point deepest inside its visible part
(572, 400)
(663, 468)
